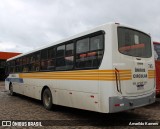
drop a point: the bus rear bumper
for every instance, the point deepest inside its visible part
(117, 104)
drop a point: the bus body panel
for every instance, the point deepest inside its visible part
(137, 72)
(99, 90)
(117, 104)
(128, 94)
(66, 96)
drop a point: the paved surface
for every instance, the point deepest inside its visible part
(23, 108)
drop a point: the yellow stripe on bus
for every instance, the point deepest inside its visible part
(151, 74)
(80, 75)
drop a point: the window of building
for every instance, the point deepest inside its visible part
(2, 63)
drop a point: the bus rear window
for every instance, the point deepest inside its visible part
(134, 43)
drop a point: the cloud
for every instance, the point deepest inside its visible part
(29, 24)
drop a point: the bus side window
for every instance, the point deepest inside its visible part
(12, 66)
(89, 52)
(51, 64)
(18, 67)
(44, 54)
(44, 58)
(51, 53)
(25, 68)
(96, 43)
(60, 61)
(48, 59)
(65, 58)
(25, 62)
(12, 69)
(35, 62)
(69, 58)
(51, 59)
(97, 46)
(44, 65)
(82, 47)
(8, 67)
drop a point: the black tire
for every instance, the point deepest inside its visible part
(47, 99)
(11, 90)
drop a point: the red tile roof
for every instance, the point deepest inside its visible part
(7, 55)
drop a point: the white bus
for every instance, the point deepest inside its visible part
(107, 69)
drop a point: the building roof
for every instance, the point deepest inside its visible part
(7, 55)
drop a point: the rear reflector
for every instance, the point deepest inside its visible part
(119, 104)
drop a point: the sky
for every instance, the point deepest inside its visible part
(29, 24)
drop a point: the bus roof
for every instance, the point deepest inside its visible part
(98, 28)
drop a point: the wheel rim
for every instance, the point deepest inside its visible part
(11, 90)
(47, 99)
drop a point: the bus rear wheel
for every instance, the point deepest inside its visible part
(47, 99)
(11, 90)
